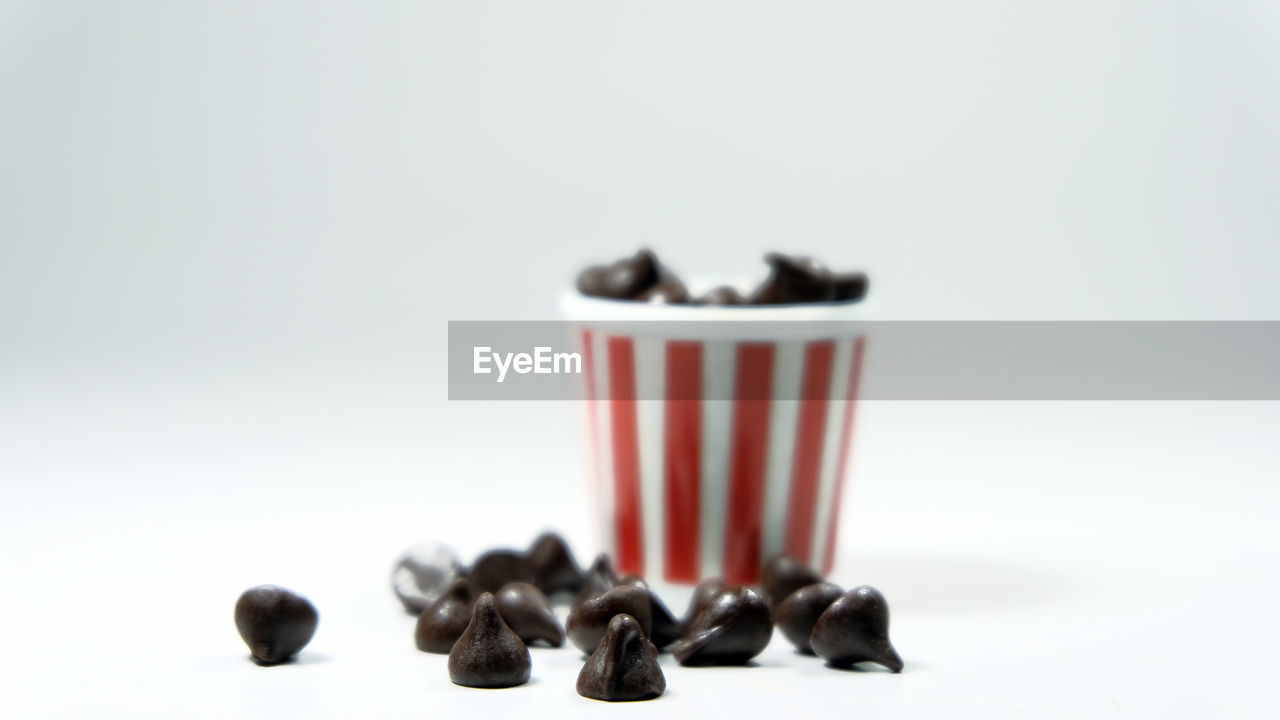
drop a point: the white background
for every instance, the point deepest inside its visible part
(231, 234)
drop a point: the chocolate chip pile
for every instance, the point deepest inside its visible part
(487, 616)
(792, 280)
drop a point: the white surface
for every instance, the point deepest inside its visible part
(1055, 560)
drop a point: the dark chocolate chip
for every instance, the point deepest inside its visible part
(669, 291)
(275, 623)
(797, 615)
(440, 625)
(849, 286)
(489, 654)
(554, 569)
(625, 279)
(598, 580)
(496, 568)
(783, 575)
(703, 594)
(422, 575)
(734, 628)
(587, 624)
(794, 279)
(855, 628)
(723, 295)
(528, 613)
(624, 666)
(666, 629)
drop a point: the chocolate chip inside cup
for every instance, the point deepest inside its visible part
(792, 280)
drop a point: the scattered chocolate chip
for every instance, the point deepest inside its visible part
(489, 654)
(598, 580)
(624, 666)
(723, 295)
(440, 625)
(797, 615)
(554, 569)
(849, 286)
(587, 624)
(496, 568)
(734, 628)
(528, 613)
(422, 575)
(794, 279)
(669, 291)
(666, 629)
(275, 623)
(855, 628)
(783, 575)
(703, 594)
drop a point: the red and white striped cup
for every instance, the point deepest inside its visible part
(717, 444)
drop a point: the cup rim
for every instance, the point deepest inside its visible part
(575, 306)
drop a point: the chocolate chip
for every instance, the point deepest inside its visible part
(855, 628)
(275, 623)
(625, 279)
(489, 654)
(666, 629)
(703, 594)
(723, 295)
(440, 625)
(849, 286)
(554, 569)
(624, 666)
(669, 291)
(797, 615)
(496, 568)
(422, 575)
(526, 611)
(598, 580)
(783, 575)
(734, 628)
(588, 623)
(794, 279)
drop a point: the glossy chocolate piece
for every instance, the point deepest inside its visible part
(847, 287)
(734, 628)
(554, 568)
(666, 629)
(422, 575)
(624, 665)
(797, 615)
(440, 625)
(722, 295)
(275, 623)
(703, 594)
(528, 613)
(794, 279)
(598, 580)
(489, 654)
(496, 568)
(855, 628)
(587, 624)
(783, 575)
(625, 279)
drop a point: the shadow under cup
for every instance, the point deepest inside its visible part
(718, 437)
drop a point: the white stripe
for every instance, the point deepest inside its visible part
(719, 361)
(788, 374)
(608, 526)
(842, 357)
(650, 358)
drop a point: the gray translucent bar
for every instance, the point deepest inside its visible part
(1064, 360)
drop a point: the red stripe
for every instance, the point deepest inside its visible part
(753, 387)
(846, 438)
(814, 392)
(626, 455)
(683, 451)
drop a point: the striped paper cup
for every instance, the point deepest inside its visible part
(717, 443)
